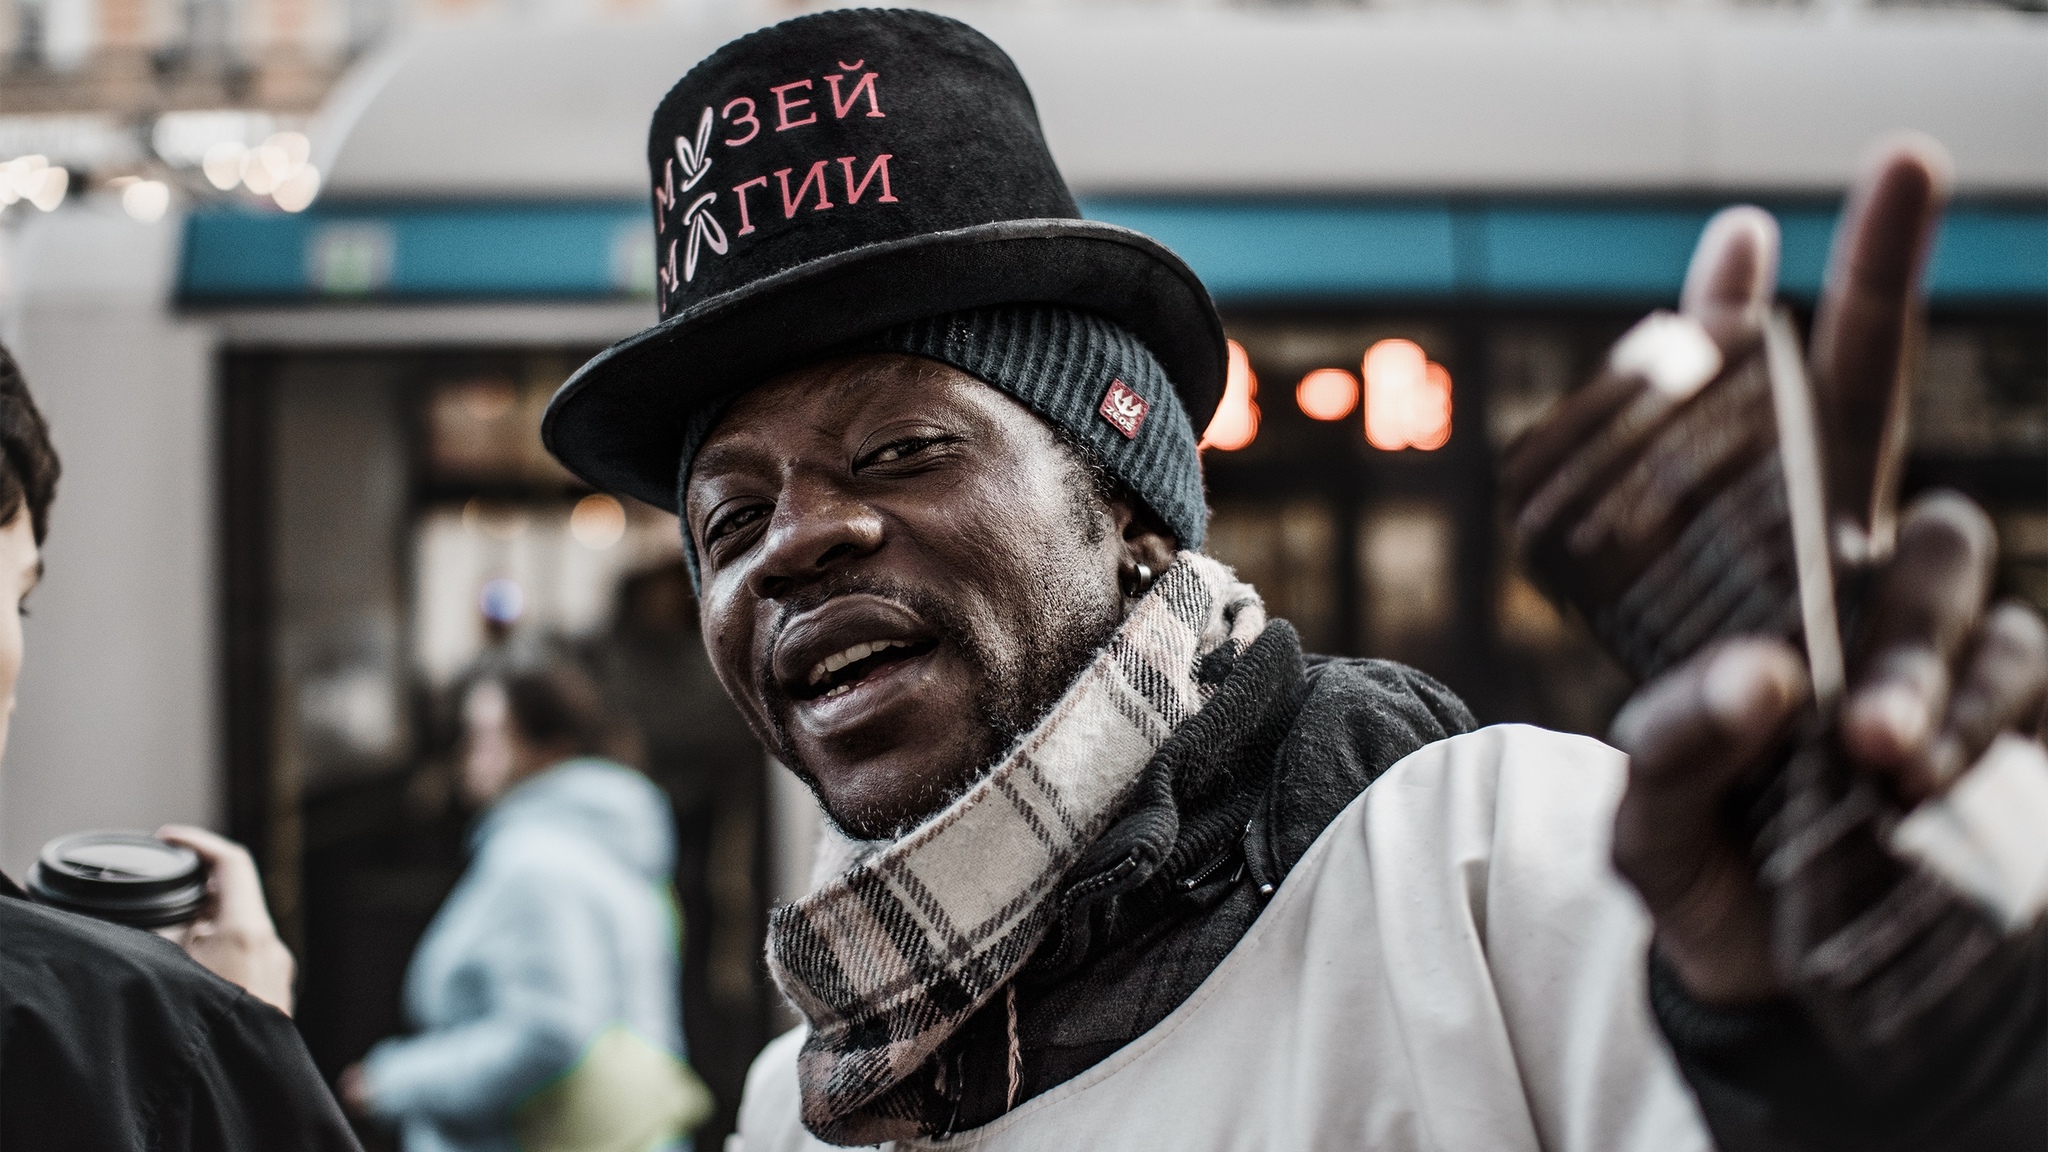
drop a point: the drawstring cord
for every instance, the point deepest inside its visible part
(1016, 1049)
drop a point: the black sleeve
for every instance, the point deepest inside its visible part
(251, 1085)
(1766, 1082)
(113, 1040)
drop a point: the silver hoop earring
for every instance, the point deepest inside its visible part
(1140, 581)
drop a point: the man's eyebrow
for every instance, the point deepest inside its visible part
(726, 457)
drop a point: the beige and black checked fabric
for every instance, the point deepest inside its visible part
(888, 959)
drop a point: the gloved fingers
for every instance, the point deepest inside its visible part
(1927, 605)
(1869, 304)
(2001, 688)
(1733, 276)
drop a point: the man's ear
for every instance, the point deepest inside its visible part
(1145, 540)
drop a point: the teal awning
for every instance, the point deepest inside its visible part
(1547, 251)
(1248, 251)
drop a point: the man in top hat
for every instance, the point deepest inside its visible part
(1116, 864)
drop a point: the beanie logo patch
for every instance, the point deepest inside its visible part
(1124, 409)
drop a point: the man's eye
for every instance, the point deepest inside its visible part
(897, 451)
(732, 522)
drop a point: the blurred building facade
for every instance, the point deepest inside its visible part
(303, 487)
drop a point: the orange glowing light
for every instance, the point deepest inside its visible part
(1327, 394)
(1407, 398)
(1236, 422)
(1432, 412)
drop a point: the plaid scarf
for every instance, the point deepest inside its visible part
(893, 955)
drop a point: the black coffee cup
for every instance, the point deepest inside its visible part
(128, 878)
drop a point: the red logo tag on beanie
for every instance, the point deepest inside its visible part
(1124, 409)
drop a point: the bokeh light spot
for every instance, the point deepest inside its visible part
(223, 164)
(598, 522)
(146, 200)
(1431, 426)
(256, 175)
(34, 179)
(1236, 422)
(1407, 398)
(295, 192)
(1327, 394)
(502, 601)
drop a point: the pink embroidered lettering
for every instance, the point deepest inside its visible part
(740, 190)
(746, 117)
(671, 280)
(791, 203)
(866, 82)
(664, 195)
(1124, 409)
(784, 106)
(854, 191)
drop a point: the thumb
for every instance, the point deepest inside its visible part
(1689, 737)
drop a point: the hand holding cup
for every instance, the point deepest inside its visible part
(233, 936)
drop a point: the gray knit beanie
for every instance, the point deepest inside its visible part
(1085, 375)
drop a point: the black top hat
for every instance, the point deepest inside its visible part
(835, 175)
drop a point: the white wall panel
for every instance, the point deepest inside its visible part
(1452, 98)
(118, 705)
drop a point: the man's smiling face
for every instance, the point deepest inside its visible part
(902, 568)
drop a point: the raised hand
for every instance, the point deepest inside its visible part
(1941, 671)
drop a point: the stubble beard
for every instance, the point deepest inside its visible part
(1015, 694)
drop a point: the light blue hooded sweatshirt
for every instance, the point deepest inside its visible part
(562, 927)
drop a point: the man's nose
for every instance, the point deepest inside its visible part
(816, 528)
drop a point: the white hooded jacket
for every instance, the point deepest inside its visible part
(1453, 966)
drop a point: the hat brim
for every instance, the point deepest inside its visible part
(618, 423)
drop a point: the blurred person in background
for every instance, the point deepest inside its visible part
(545, 989)
(110, 1038)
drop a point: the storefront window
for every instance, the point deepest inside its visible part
(392, 520)
(1288, 551)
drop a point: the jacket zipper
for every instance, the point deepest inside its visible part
(1236, 849)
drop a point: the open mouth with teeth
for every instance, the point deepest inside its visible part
(839, 673)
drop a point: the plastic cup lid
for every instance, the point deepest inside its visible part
(125, 877)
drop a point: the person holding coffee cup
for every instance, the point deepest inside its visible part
(113, 1038)
(194, 888)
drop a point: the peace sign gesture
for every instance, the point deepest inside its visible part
(1940, 672)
